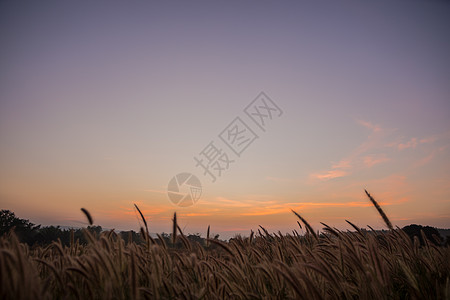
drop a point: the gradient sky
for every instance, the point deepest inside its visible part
(102, 103)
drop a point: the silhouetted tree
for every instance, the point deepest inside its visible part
(49, 234)
(196, 238)
(131, 236)
(24, 229)
(431, 233)
(95, 229)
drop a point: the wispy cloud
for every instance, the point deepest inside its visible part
(380, 146)
(428, 140)
(286, 207)
(369, 125)
(195, 215)
(343, 164)
(265, 212)
(146, 210)
(356, 158)
(425, 160)
(372, 160)
(437, 143)
(329, 174)
(244, 201)
(412, 143)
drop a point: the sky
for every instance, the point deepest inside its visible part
(103, 103)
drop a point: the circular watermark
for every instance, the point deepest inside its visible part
(184, 189)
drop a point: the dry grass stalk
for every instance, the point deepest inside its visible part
(88, 216)
(333, 265)
(380, 211)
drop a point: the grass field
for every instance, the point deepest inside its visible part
(360, 264)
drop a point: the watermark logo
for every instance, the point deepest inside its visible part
(220, 154)
(238, 136)
(184, 189)
(262, 110)
(213, 161)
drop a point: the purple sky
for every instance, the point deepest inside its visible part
(103, 103)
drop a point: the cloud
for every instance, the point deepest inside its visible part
(146, 210)
(374, 128)
(337, 170)
(195, 215)
(244, 201)
(265, 212)
(329, 174)
(372, 160)
(428, 140)
(343, 164)
(355, 159)
(286, 207)
(433, 142)
(412, 143)
(377, 149)
(425, 160)
(222, 201)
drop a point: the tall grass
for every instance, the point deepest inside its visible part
(332, 265)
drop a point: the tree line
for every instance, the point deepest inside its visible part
(33, 234)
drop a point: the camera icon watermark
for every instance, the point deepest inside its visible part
(184, 189)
